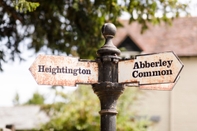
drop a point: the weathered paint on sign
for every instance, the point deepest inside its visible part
(164, 87)
(65, 71)
(150, 69)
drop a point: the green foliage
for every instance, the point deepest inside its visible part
(24, 6)
(154, 11)
(72, 26)
(79, 112)
(126, 119)
(37, 99)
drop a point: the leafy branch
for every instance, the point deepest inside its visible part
(24, 6)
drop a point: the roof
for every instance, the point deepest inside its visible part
(22, 117)
(180, 37)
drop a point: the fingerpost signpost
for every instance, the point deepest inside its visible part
(109, 74)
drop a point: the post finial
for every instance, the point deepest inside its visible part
(108, 31)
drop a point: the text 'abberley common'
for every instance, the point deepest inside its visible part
(64, 70)
(145, 64)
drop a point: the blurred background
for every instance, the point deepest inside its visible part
(72, 28)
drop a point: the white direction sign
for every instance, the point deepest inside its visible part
(65, 71)
(150, 69)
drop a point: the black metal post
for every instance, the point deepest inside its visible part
(108, 89)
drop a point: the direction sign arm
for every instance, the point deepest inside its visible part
(64, 71)
(147, 69)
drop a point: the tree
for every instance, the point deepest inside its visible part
(72, 26)
(24, 6)
(79, 112)
(37, 99)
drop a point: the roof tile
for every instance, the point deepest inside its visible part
(180, 37)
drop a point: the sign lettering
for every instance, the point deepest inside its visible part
(136, 74)
(146, 64)
(64, 70)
